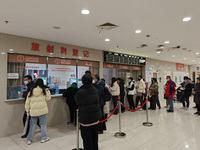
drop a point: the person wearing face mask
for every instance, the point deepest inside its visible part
(187, 92)
(140, 90)
(130, 92)
(169, 93)
(29, 84)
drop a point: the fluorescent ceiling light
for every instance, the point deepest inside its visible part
(107, 40)
(167, 42)
(173, 55)
(187, 19)
(85, 12)
(158, 52)
(11, 49)
(3, 53)
(138, 31)
(197, 53)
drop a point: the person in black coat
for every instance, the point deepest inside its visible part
(30, 84)
(187, 92)
(100, 84)
(69, 94)
(87, 99)
(122, 92)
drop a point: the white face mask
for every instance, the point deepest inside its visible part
(167, 79)
(25, 82)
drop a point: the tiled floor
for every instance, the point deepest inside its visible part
(171, 131)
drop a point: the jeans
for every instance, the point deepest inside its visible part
(90, 137)
(114, 98)
(43, 122)
(170, 101)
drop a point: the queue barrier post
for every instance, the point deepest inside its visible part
(77, 131)
(147, 123)
(120, 134)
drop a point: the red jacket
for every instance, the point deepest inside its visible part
(170, 89)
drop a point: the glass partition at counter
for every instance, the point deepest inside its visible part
(57, 73)
(61, 74)
(20, 66)
(83, 66)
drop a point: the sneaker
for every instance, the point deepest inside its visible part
(166, 106)
(43, 141)
(159, 108)
(24, 136)
(170, 111)
(195, 107)
(196, 113)
(100, 132)
(28, 142)
(186, 108)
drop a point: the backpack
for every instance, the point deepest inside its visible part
(107, 94)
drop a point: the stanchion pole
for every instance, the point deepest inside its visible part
(77, 131)
(120, 134)
(147, 123)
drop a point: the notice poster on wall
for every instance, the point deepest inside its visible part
(148, 76)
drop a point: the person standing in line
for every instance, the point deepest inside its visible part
(69, 94)
(146, 90)
(115, 91)
(140, 91)
(106, 108)
(130, 92)
(100, 84)
(169, 94)
(88, 72)
(154, 93)
(167, 104)
(122, 92)
(87, 99)
(36, 105)
(28, 81)
(196, 94)
(187, 92)
(157, 99)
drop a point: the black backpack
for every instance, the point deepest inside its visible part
(107, 94)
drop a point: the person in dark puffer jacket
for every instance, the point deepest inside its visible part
(87, 99)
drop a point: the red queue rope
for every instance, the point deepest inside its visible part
(137, 108)
(109, 116)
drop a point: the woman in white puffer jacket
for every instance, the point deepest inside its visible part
(115, 91)
(36, 106)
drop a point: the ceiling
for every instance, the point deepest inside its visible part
(161, 19)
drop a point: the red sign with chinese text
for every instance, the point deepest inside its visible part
(180, 67)
(75, 52)
(35, 47)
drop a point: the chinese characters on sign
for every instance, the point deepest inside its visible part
(50, 49)
(63, 50)
(180, 67)
(35, 47)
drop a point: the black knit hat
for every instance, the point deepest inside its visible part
(87, 79)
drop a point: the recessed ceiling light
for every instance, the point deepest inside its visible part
(158, 52)
(11, 49)
(193, 60)
(85, 12)
(107, 40)
(184, 58)
(167, 42)
(187, 19)
(197, 53)
(56, 27)
(138, 31)
(173, 55)
(3, 53)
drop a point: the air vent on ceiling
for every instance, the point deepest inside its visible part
(184, 49)
(107, 26)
